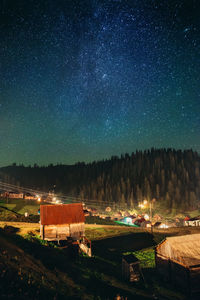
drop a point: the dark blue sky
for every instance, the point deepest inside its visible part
(84, 80)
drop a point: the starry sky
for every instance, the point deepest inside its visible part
(82, 80)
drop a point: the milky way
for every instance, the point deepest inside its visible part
(84, 80)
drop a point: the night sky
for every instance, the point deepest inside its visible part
(84, 80)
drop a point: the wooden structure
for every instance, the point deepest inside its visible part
(192, 221)
(85, 246)
(62, 221)
(178, 261)
(130, 268)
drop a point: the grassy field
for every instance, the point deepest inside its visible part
(95, 232)
(21, 206)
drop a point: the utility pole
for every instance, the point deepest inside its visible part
(150, 208)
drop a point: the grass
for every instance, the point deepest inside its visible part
(101, 232)
(55, 274)
(145, 256)
(99, 221)
(31, 270)
(21, 206)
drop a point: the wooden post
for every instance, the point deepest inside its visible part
(150, 213)
(42, 231)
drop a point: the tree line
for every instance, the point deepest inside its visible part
(172, 177)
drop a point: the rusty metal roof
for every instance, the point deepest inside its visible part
(61, 214)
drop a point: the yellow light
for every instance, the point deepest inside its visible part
(145, 202)
(141, 205)
(164, 226)
(39, 199)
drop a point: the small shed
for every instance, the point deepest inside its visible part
(59, 222)
(29, 196)
(130, 268)
(178, 261)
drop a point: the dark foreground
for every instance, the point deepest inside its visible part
(32, 270)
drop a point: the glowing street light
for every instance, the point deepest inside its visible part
(141, 205)
(145, 204)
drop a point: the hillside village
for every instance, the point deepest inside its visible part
(120, 238)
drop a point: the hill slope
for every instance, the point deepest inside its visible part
(171, 177)
(31, 270)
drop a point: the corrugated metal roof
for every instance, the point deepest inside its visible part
(61, 214)
(184, 249)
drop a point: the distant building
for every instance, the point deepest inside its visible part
(127, 220)
(108, 209)
(29, 196)
(15, 195)
(86, 213)
(59, 222)
(192, 221)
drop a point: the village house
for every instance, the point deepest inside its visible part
(192, 221)
(14, 195)
(29, 196)
(62, 221)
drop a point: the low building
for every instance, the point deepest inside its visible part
(29, 196)
(178, 261)
(15, 195)
(118, 215)
(59, 222)
(192, 221)
(130, 268)
(127, 220)
(108, 209)
(86, 213)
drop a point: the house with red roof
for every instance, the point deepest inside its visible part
(62, 221)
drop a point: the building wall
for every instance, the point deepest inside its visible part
(180, 276)
(30, 197)
(163, 266)
(62, 232)
(195, 280)
(16, 196)
(130, 271)
(192, 223)
(183, 278)
(77, 230)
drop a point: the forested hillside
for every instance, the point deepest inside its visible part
(171, 177)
